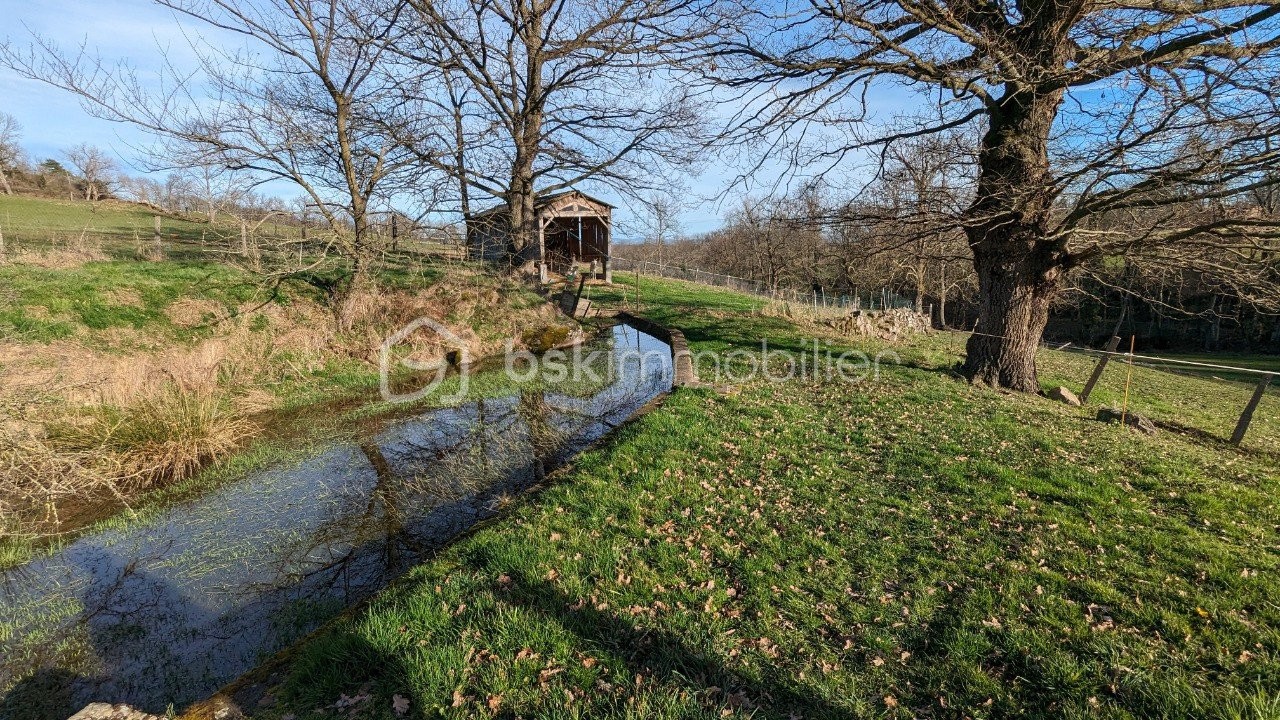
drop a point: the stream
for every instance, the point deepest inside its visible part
(167, 610)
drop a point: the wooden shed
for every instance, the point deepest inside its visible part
(574, 230)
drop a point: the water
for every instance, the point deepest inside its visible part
(168, 611)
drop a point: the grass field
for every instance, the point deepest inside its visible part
(40, 221)
(908, 546)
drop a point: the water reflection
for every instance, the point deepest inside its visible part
(169, 611)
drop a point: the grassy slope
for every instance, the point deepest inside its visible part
(119, 307)
(31, 220)
(907, 546)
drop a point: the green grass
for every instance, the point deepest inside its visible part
(907, 546)
(44, 304)
(40, 221)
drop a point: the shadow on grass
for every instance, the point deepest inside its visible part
(672, 675)
(669, 659)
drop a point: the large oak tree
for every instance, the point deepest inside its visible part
(1155, 111)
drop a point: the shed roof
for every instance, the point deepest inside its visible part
(545, 200)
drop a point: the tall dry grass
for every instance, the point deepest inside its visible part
(165, 437)
(108, 451)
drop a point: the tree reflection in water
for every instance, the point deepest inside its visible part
(168, 610)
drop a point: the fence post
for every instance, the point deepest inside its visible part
(1246, 417)
(1097, 369)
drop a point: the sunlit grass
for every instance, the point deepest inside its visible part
(908, 546)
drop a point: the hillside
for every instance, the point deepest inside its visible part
(122, 372)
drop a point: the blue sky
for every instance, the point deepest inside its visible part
(118, 29)
(136, 30)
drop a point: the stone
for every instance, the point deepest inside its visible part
(106, 711)
(1063, 395)
(1131, 419)
(883, 324)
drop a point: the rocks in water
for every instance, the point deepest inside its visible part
(883, 324)
(218, 707)
(1131, 419)
(541, 339)
(1063, 395)
(105, 711)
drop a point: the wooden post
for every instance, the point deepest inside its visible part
(542, 252)
(1246, 417)
(582, 281)
(1097, 369)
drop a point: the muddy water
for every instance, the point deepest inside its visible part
(167, 611)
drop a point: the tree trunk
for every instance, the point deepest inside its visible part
(524, 228)
(4, 183)
(347, 303)
(526, 130)
(1013, 308)
(1019, 268)
(919, 303)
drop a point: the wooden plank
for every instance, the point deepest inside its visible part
(1246, 417)
(1097, 369)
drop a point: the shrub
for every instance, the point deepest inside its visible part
(165, 437)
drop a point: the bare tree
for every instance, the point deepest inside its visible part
(1078, 108)
(94, 165)
(310, 106)
(661, 222)
(215, 188)
(923, 187)
(550, 93)
(10, 150)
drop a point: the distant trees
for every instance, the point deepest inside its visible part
(214, 189)
(1161, 114)
(94, 166)
(10, 150)
(660, 221)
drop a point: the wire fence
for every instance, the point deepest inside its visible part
(869, 299)
(1261, 378)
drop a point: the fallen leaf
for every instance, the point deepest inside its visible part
(400, 704)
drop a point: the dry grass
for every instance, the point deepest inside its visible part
(481, 319)
(108, 451)
(115, 412)
(165, 437)
(190, 312)
(59, 253)
(35, 480)
(57, 258)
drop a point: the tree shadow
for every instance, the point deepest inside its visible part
(667, 658)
